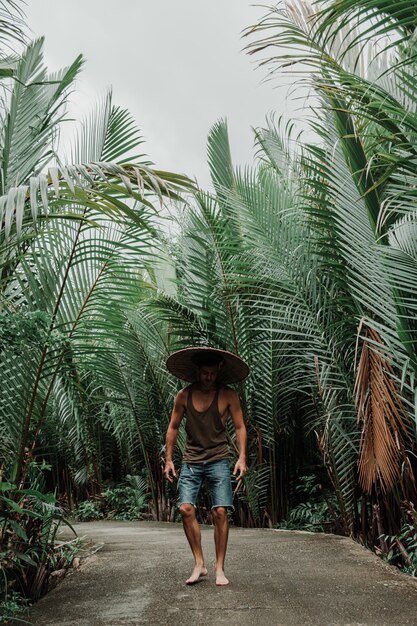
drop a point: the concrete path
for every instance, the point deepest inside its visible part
(277, 578)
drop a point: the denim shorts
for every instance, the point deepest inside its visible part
(218, 478)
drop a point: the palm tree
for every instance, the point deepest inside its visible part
(359, 200)
(305, 267)
(224, 292)
(73, 240)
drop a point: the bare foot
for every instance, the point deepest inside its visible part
(221, 579)
(198, 572)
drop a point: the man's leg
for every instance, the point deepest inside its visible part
(191, 477)
(220, 486)
(193, 534)
(221, 534)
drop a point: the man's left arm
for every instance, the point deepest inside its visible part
(236, 414)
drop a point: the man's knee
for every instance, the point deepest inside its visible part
(219, 513)
(187, 510)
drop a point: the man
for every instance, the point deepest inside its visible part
(206, 404)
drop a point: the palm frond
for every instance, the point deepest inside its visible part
(381, 412)
(35, 109)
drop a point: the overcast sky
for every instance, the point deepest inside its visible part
(178, 66)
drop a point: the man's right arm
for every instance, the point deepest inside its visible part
(172, 434)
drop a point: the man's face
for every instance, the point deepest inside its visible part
(207, 375)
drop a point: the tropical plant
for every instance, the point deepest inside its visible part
(226, 289)
(87, 511)
(73, 239)
(10, 608)
(29, 521)
(316, 510)
(359, 203)
(402, 549)
(304, 266)
(128, 500)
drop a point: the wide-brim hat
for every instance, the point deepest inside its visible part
(182, 364)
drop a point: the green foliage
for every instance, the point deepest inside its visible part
(10, 607)
(316, 512)
(88, 511)
(355, 288)
(24, 329)
(73, 240)
(402, 549)
(29, 553)
(28, 330)
(127, 501)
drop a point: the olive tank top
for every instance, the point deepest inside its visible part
(206, 438)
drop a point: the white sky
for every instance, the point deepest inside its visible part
(177, 65)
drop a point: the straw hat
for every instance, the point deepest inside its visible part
(183, 364)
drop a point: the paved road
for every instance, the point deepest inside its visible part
(278, 578)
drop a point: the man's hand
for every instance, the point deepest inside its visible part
(169, 471)
(240, 467)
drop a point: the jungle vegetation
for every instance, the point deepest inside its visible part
(304, 264)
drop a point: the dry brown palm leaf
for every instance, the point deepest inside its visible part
(382, 414)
